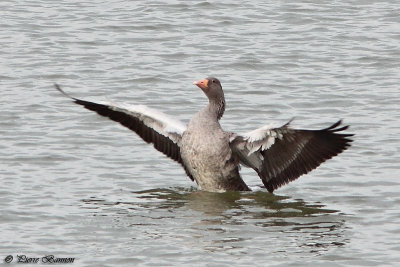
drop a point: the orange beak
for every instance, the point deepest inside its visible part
(202, 84)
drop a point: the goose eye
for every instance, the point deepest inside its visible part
(213, 81)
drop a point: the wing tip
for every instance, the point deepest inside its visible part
(289, 122)
(335, 129)
(57, 86)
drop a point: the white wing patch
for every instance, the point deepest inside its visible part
(262, 138)
(155, 119)
(258, 134)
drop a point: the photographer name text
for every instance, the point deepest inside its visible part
(48, 259)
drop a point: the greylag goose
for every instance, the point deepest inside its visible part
(211, 156)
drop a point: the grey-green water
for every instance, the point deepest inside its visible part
(77, 185)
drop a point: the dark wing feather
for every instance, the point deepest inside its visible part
(150, 129)
(292, 152)
(299, 152)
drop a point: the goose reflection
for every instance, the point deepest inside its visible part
(258, 204)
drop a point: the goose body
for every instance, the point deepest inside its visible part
(206, 152)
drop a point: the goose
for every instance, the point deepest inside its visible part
(212, 157)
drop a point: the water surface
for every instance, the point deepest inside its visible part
(78, 185)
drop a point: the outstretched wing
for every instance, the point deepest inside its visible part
(280, 155)
(151, 125)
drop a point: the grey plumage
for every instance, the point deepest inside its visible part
(206, 153)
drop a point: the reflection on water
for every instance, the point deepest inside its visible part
(309, 226)
(258, 204)
(265, 204)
